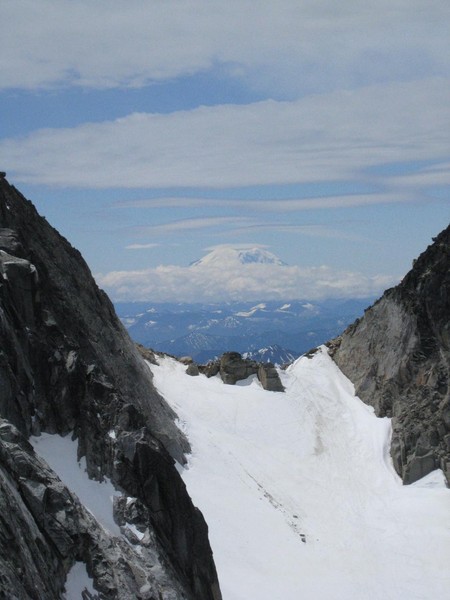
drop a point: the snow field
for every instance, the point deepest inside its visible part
(299, 492)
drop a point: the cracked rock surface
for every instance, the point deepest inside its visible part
(67, 366)
(398, 357)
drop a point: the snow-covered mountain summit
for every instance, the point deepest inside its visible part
(226, 255)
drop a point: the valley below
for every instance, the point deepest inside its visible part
(275, 331)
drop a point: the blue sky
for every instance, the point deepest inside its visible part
(150, 132)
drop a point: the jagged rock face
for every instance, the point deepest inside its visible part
(68, 365)
(398, 357)
(44, 528)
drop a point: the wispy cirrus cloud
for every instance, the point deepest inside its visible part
(237, 227)
(141, 246)
(272, 205)
(266, 44)
(436, 175)
(175, 202)
(183, 225)
(317, 231)
(328, 137)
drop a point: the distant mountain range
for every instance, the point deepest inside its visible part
(274, 331)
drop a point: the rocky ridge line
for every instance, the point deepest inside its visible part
(232, 367)
(67, 366)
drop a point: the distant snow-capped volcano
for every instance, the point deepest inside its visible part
(224, 255)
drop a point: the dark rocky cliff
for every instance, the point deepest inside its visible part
(67, 366)
(398, 357)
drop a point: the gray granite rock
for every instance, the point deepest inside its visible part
(67, 366)
(45, 529)
(398, 357)
(192, 370)
(232, 367)
(269, 378)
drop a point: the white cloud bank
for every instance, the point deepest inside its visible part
(326, 137)
(231, 281)
(272, 43)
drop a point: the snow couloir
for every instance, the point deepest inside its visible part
(299, 491)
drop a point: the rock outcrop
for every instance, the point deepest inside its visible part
(44, 528)
(232, 367)
(269, 378)
(67, 366)
(398, 357)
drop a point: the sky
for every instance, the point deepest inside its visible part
(151, 132)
